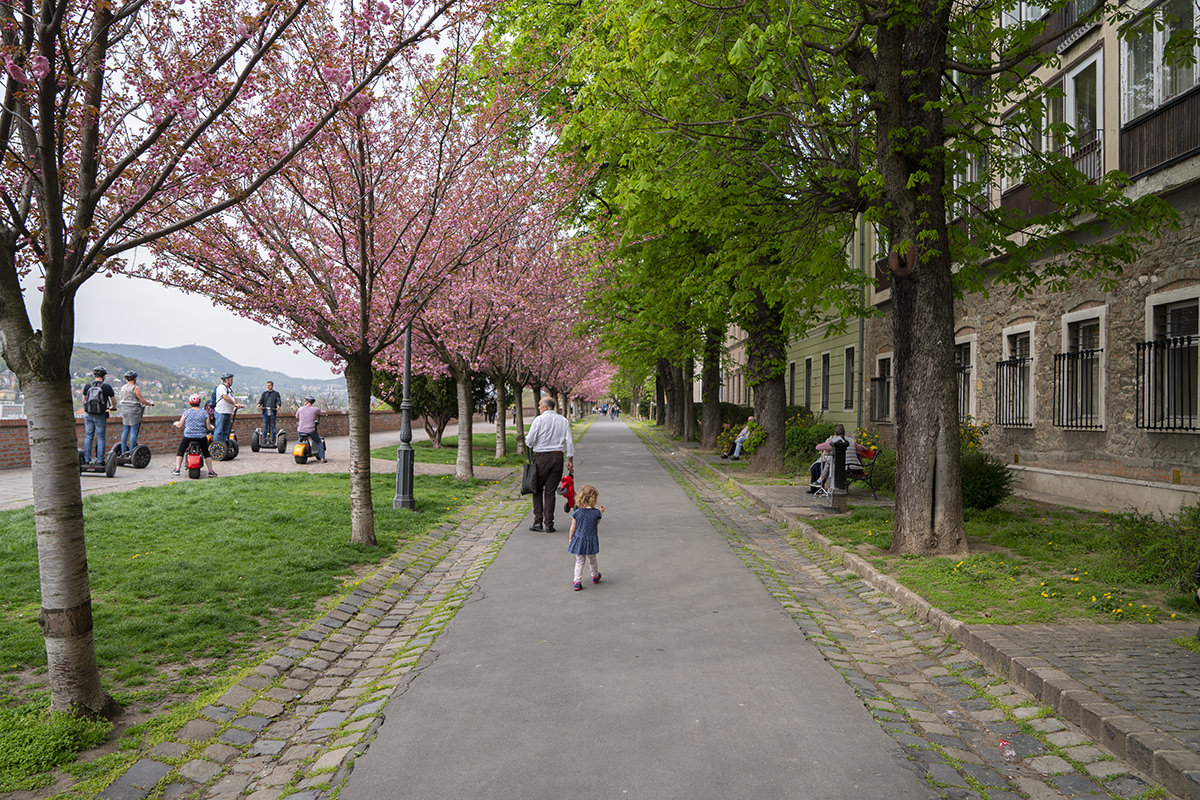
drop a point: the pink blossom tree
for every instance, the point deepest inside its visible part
(123, 122)
(396, 206)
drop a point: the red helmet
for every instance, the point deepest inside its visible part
(194, 400)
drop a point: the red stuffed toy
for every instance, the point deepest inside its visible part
(567, 490)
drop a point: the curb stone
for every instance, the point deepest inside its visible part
(293, 725)
(974, 725)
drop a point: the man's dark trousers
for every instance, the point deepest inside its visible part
(550, 471)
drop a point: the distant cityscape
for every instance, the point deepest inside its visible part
(168, 375)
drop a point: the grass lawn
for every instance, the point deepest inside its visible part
(1037, 563)
(191, 580)
(483, 450)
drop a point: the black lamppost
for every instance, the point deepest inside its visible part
(404, 453)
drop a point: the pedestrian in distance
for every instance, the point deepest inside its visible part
(96, 398)
(742, 436)
(307, 417)
(224, 404)
(195, 424)
(549, 438)
(268, 404)
(585, 533)
(132, 404)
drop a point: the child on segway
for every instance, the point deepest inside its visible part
(195, 424)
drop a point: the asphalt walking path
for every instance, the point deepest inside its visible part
(728, 652)
(675, 676)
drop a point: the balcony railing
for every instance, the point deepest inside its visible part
(1012, 392)
(1167, 384)
(1077, 390)
(1088, 157)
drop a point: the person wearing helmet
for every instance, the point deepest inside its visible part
(223, 409)
(96, 398)
(307, 416)
(131, 403)
(195, 424)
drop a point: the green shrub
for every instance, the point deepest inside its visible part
(986, 480)
(800, 445)
(34, 741)
(1157, 551)
(883, 474)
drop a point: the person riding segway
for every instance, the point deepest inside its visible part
(268, 435)
(96, 398)
(225, 407)
(131, 403)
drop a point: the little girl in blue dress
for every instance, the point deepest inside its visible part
(585, 538)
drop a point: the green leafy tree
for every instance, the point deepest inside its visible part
(773, 123)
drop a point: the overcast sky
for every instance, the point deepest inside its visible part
(122, 310)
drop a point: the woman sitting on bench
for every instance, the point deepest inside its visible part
(821, 469)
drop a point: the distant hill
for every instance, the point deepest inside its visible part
(200, 365)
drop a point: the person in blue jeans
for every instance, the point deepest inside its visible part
(307, 417)
(268, 404)
(223, 410)
(96, 398)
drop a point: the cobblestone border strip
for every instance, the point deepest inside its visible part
(293, 726)
(1129, 738)
(900, 666)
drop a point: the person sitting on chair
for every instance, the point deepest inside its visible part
(820, 470)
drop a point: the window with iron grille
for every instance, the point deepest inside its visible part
(1167, 370)
(825, 381)
(965, 370)
(848, 380)
(1014, 382)
(881, 391)
(1079, 378)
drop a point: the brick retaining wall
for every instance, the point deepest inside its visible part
(163, 438)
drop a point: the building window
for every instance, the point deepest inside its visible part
(848, 381)
(1147, 80)
(1168, 364)
(808, 383)
(825, 381)
(1074, 104)
(881, 390)
(792, 383)
(1079, 374)
(1014, 379)
(964, 366)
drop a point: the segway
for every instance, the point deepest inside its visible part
(138, 458)
(260, 440)
(221, 451)
(107, 469)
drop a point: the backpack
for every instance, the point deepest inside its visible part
(212, 400)
(93, 399)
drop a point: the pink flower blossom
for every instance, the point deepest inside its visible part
(15, 70)
(39, 66)
(242, 30)
(359, 103)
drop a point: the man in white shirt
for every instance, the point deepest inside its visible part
(549, 438)
(223, 410)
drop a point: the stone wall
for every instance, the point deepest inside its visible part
(163, 438)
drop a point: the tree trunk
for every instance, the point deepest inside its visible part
(710, 390)
(463, 468)
(66, 612)
(358, 396)
(501, 420)
(688, 406)
(519, 419)
(660, 392)
(766, 360)
(929, 516)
